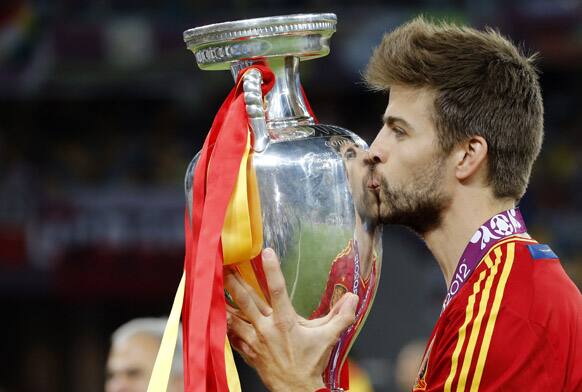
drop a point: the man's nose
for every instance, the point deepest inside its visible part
(376, 155)
(118, 384)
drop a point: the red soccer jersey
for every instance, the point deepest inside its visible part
(341, 280)
(344, 271)
(516, 325)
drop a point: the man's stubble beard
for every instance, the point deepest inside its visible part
(419, 204)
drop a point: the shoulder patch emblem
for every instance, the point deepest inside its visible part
(541, 251)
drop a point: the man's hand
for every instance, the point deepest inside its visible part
(289, 352)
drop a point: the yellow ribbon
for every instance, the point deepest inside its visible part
(242, 237)
(242, 240)
(163, 365)
(231, 373)
(242, 233)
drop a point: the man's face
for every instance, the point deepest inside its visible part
(408, 172)
(357, 168)
(130, 364)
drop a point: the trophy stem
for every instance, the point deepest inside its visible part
(284, 105)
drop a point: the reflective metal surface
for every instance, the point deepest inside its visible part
(253, 97)
(285, 104)
(284, 109)
(311, 188)
(217, 45)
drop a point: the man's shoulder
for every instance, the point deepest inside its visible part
(521, 277)
(493, 271)
(538, 273)
(345, 258)
(522, 263)
(519, 299)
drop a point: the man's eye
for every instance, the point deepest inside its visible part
(399, 131)
(350, 153)
(134, 373)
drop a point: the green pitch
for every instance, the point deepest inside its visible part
(306, 266)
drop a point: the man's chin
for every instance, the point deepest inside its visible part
(419, 220)
(385, 214)
(369, 210)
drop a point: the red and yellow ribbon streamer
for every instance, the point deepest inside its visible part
(242, 234)
(225, 228)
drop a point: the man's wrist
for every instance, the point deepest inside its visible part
(307, 385)
(319, 387)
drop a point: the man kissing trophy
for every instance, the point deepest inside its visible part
(269, 176)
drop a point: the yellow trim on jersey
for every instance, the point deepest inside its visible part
(493, 317)
(463, 330)
(478, 320)
(493, 269)
(514, 238)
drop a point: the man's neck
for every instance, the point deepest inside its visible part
(365, 234)
(459, 223)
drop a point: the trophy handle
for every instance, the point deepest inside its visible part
(253, 96)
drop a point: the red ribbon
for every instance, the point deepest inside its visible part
(204, 313)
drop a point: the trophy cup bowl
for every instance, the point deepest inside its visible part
(309, 175)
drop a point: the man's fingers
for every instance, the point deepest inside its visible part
(242, 297)
(343, 316)
(232, 310)
(245, 351)
(316, 322)
(240, 329)
(283, 311)
(263, 307)
(325, 319)
(338, 305)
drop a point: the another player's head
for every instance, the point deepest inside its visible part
(134, 347)
(354, 158)
(408, 363)
(464, 115)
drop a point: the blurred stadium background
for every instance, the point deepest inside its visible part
(101, 109)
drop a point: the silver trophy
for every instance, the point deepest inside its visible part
(310, 176)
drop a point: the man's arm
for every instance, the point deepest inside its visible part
(288, 352)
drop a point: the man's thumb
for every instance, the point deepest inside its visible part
(345, 315)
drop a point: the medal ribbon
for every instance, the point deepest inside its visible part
(502, 225)
(226, 229)
(338, 356)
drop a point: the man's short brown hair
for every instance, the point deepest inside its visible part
(484, 86)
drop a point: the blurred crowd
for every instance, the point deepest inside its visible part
(101, 110)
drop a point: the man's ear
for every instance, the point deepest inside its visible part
(470, 156)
